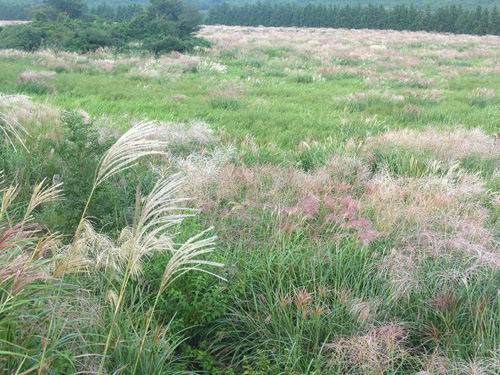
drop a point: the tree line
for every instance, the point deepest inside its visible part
(14, 12)
(25, 11)
(452, 19)
(121, 13)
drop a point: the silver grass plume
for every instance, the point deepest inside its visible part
(156, 214)
(134, 144)
(12, 129)
(184, 259)
(43, 194)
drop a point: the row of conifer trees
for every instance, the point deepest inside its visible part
(453, 19)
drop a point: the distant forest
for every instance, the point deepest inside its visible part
(122, 12)
(21, 8)
(454, 19)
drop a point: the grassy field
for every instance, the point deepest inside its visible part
(351, 177)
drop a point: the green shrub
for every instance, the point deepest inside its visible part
(78, 155)
(25, 37)
(167, 44)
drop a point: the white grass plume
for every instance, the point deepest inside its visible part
(8, 197)
(183, 260)
(151, 232)
(134, 144)
(12, 129)
(156, 214)
(43, 195)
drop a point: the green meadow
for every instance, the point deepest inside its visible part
(284, 94)
(348, 179)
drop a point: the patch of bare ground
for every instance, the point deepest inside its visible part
(7, 23)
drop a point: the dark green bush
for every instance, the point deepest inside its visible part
(25, 37)
(80, 36)
(169, 43)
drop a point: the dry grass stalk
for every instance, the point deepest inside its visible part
(375, 352)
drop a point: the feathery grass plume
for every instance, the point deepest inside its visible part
(434, 364)
(136, 143)
(12, 129)
(477, 366)
(184, 134)
(8, 197)
(444, 145)
(48, 244)
(102, 252)
(97, 252)
(155, 215)
(402, 269)
(43, 195)
(183, 259)
(364, 311)
(70, 265)
(376, 352)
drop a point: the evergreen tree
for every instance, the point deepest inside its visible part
(483, 23)
(465, 23)
(494, 24)
(70, 8)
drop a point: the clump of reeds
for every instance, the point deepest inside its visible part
(156, 214)
(30, 338)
